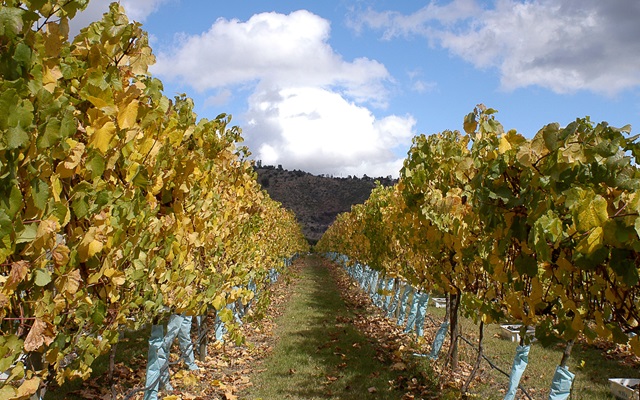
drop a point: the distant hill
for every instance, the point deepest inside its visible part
(315, 200)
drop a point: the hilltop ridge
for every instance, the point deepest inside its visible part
(316, 200)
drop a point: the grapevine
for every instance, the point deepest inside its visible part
(118, 206)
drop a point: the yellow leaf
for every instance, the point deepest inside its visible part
(97, 101)
(127, 115)
(50, 78)
(132, 171)
(524, 154)
(54, 37)
(225, 315)
(8, 392)
(591, 213)
(504, 145)
(591, 242)
(175, 135)
(189, 379)
(56, 187)
(564, 264)
(577, 324)
(219, 302)
(28, 387)
(90, 245)
(157, 185)
(536, 290)
(118, 278)
(101, 138)
(94, 247)
(67, 168)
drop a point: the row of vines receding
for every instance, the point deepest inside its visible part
(544, 232)
(117, 206)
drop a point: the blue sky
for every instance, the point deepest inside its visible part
(341, 87)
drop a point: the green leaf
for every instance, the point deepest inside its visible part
(99, 312)
(16, 137)
(60, 211)
(43, 277)
(226, 315)
(6, 225)
(40, 193)
(18, 122)
(70, 8)
(96, 164)
(103, 198)
(623, 264)
(68, 125)
(80, 207)
(51, 134)
(28, 234)
(8, 353)
(526, 265)
(6, 233)
(11, 21)
(550, 135)
(140, 179)
(8, 98)
(12, 201)
(23, 54)
(80, 204)
(618, 335)
(549, 226)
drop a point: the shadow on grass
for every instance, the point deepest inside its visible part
(320, 354)
(591, 365)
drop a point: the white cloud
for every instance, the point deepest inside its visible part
(563, 46)
(319, 131)
(139, 10)
(222, 97)
(307, 110)
(136, 10)
(275, 49)
(420, 85)
(395, 24)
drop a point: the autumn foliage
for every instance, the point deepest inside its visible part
(544, 231)
(117, 205)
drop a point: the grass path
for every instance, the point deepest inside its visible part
(323, 339)
(319, 353)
